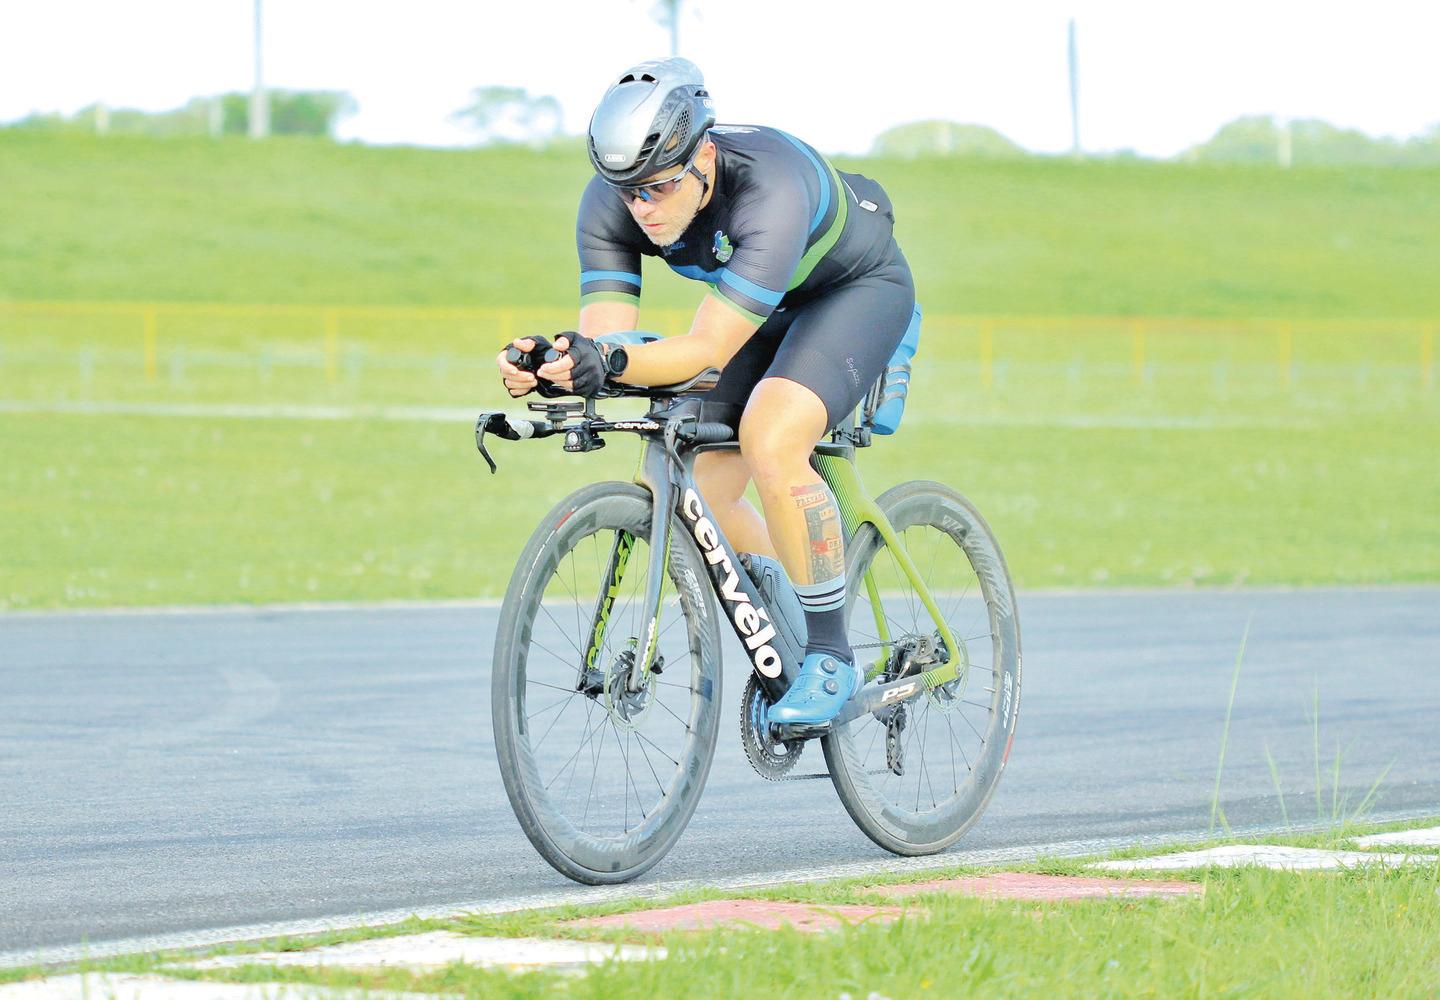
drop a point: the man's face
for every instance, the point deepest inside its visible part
(664, 219)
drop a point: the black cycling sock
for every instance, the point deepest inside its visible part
(824, 605)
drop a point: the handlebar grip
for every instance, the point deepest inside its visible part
(713, 433)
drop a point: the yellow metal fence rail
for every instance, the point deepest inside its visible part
(491, 326)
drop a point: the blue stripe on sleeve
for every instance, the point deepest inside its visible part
(747, 287)
(695, 272)
(626, 276)
(824, 181)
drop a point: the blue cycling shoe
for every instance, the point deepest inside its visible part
(823, 686)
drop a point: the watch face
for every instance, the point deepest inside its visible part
(616, 360)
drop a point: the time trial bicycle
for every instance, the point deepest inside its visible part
(607, 667)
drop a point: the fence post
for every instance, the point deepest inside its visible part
(1137, 350)
(1427, 358)
(332, 344)
(1287, 354)
(151, 351)
(987, 353)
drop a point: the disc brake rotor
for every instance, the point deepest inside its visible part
(627, 708)
(771, 759)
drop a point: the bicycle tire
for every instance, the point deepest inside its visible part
(946, 802)
(600, 844)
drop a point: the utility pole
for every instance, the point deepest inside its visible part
(1074, 96)
(667, 12)
(259, 99)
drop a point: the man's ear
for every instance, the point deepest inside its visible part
(706, 157)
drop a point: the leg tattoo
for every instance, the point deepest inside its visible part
(822, 524)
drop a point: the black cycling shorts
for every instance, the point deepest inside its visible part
(836, 345)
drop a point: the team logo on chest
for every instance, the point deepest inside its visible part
(722, 247)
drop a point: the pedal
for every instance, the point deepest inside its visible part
(783, 731)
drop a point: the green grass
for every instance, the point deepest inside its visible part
(1369, 931)
(309, 221)
(1235, 456)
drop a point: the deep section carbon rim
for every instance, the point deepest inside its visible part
(604, 774)
(917, 777)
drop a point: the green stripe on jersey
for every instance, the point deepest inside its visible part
(752, 317)
(825, 243)
(625, 297)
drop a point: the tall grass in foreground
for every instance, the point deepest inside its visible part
(1339, 816)
(1371, 932)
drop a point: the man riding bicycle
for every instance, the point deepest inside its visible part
(809, 297)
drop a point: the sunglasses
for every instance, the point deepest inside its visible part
(657, 190)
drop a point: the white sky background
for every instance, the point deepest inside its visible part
(1154, 76)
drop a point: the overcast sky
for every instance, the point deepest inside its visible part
(1154, 76)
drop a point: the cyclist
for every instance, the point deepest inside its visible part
(809, 297)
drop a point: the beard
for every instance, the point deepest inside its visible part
(683, 215)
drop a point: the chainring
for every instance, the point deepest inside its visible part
(772, 759)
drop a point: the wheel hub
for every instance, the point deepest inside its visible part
(627, 708)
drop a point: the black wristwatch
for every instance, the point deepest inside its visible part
(615, 359)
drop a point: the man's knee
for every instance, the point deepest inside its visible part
(779, 430)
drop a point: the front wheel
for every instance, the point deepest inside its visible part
(603, 777)
(919, 775)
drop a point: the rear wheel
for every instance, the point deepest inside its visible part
(604, 779)
(919, 775)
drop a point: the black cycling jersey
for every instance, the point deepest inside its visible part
(782, 227)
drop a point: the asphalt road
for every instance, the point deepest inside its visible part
(172, 772)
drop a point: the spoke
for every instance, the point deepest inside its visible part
(925, 768)
(574, 757)
(566, 702)
(978, 734)
(673, 715)
(629, 780)
(957, 745)
(558, 628)
(640, 742)
(675, 684)
(656, 747)
(555, 687)
(536, 644)
(954, 609)
(575, 592)
(552, 705)
(595, 767)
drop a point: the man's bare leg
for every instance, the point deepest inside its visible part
(782, 423)
(722, 477)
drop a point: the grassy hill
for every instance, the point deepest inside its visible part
(299, 220)
(1220, 460)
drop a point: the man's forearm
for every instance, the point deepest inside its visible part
(670, 360)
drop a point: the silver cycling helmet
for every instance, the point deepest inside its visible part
(651, 118)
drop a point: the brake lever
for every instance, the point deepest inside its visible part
(499, 423)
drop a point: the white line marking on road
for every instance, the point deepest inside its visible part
(189, 940)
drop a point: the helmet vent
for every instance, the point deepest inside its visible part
(680, 132)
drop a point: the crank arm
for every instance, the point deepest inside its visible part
(876, 697)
